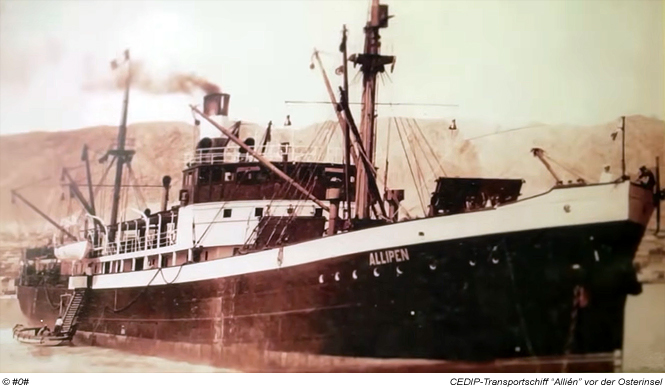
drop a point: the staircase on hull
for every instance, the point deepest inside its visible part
(73, 310)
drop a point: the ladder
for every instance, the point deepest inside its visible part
(73, 310)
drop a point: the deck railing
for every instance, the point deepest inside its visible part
(133, 241)
(273, 153)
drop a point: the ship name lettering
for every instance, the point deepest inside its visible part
(389, 256)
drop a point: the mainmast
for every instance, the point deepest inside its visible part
(371, 64)
(122, 155)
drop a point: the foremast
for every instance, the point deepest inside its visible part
(122, 155)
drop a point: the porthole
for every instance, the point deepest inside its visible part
(472, 263)
(320, 278)
(376, 272)
(495, 260)
(354, 275)
(337, 276)
(399, 271)
(432, 266)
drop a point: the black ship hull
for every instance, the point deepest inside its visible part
(537, 293)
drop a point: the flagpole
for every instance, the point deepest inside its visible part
(623, 147)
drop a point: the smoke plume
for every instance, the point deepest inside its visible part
(146, 81)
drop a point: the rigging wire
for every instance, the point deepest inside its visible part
(33, 183)
(419, 170)
(326, 130)
(408, 161)
(429, 145)
(413, 145)
(385, 174)
(306, 102)
(572, 171)
(284, 191)
(97, 189)
(505, 131)
(139, 195)
(422, 150)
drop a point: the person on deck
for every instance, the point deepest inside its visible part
(647, 178)
(44, 331)
(58, 326)
(88, 274)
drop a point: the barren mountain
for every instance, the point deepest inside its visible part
(33, 162)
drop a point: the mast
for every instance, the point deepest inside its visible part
(371, 64)
(77, 192)
(123, 156)
(346, 121)
(88, 175)
(347, 135)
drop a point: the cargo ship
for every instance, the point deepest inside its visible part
(290, 258)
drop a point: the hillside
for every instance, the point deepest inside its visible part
(38, 157)
(33, 162)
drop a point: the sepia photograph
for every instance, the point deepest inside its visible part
(332, 186)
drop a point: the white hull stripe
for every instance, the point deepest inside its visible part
(558, 208)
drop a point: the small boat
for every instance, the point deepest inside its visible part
(37, 336)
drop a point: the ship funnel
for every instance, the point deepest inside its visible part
(215, 105)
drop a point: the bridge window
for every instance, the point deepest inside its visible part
(188, 179)
(258, 212)
(227, 213)
(217, 174)
(204, 175)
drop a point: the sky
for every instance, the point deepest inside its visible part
(504, 62)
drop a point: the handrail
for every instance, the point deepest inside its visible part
(272, 153)
(138, 243)
(147, 224)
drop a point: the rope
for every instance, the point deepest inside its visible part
(137, 190)
(161, 271)
(419, 170)
(429, 145)
(135, 298)
(569, 170)
(408, 161)
(577, 292)
(326, 130)
(100, 201)
(385, 177)
(48, 298)
(33, 183)
(422, 150)
(518, 305)
(221, 207)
